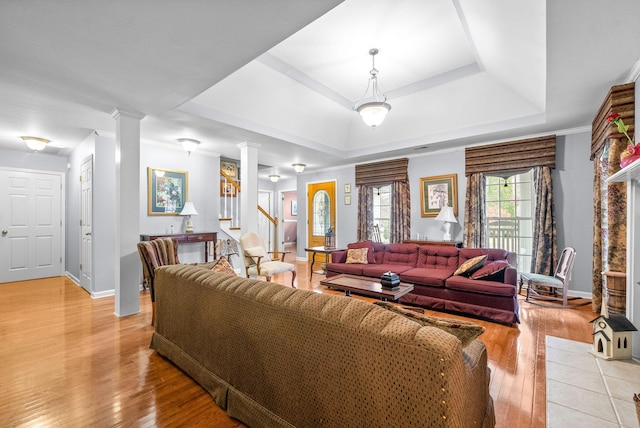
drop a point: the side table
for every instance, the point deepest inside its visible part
(182, 238)
(321, 250)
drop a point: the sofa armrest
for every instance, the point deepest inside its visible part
(510, 276)
(339, 256)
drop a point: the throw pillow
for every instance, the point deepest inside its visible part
(491, 271)
(357, 255)
(223, 266)
(466, 331)
(470, 266)
(256, 252)
(364, 244)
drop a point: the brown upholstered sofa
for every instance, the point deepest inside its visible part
(430, 268)
(281, 357)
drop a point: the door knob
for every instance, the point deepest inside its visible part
(88, 233)
(4, 232)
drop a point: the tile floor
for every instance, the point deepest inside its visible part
(586, 391)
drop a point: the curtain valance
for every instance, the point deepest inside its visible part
(382, 172)
(511, 156)
(620, 99)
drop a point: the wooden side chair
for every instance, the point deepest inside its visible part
(551, 288)
(258, 261)
(153, 254)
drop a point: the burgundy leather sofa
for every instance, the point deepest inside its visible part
(431, 270)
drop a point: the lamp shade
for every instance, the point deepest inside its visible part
(299, 167)
(446, 215)
(274, 178)
(189, 209)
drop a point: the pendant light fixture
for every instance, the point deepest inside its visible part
(374, 108)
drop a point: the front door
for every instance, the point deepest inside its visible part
(30, 225)
(321, 212)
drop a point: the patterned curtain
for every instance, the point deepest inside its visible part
(609, 219)
(545, 249)
(400, 211)
(474, 212)
(365, 212)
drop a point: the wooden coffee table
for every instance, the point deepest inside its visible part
(365, 286)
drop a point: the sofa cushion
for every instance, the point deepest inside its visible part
(351, 269)
(357, 256)
(471, 265)
(461, 283)
(401, 254)
(466, 331)
(223, 266)
(378, 251)
(491, 253)
(376, 270)
(492, 271)
(364, 244)
(426, 276)
(437, 257)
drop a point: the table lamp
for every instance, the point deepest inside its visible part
(189, 210)
(446, 215)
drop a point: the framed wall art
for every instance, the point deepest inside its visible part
(436, 192)
(167, 191)
(347, 188)
(230, 168)
(227, 189)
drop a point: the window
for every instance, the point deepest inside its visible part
(321, 217)
(382, 211)
(510, 208)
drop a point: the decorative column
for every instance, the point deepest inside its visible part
(249, 187)
(127, 209)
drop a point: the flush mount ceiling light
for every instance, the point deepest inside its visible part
(274, 178)
(189, 145)
(373, 108)
(299, 167)
(35, 143)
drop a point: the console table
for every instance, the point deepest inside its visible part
(457, 244)
(190, 238)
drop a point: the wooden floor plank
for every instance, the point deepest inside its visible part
(67, 360)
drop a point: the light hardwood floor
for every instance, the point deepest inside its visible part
(66, 360)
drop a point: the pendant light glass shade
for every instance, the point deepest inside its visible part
(189, 145)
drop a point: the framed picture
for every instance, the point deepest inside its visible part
(436, 192)
(230, 168)
(294, 207)
(347, 200)
(227, 189)
(347, 188)
(167, 191)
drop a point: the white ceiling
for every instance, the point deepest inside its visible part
(286, 74)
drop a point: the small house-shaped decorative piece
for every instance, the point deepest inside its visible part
(612, 335)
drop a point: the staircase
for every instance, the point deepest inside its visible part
(230, 211)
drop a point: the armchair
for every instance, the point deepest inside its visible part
(257, 259)
(153, 254)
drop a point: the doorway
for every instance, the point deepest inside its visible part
(30, 224)
(321, 211)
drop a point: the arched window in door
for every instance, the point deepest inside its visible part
(321, 215)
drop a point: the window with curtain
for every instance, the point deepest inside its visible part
(510, 207)
(382, 199)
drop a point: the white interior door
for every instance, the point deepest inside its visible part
(30, 225)
(86, 223)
